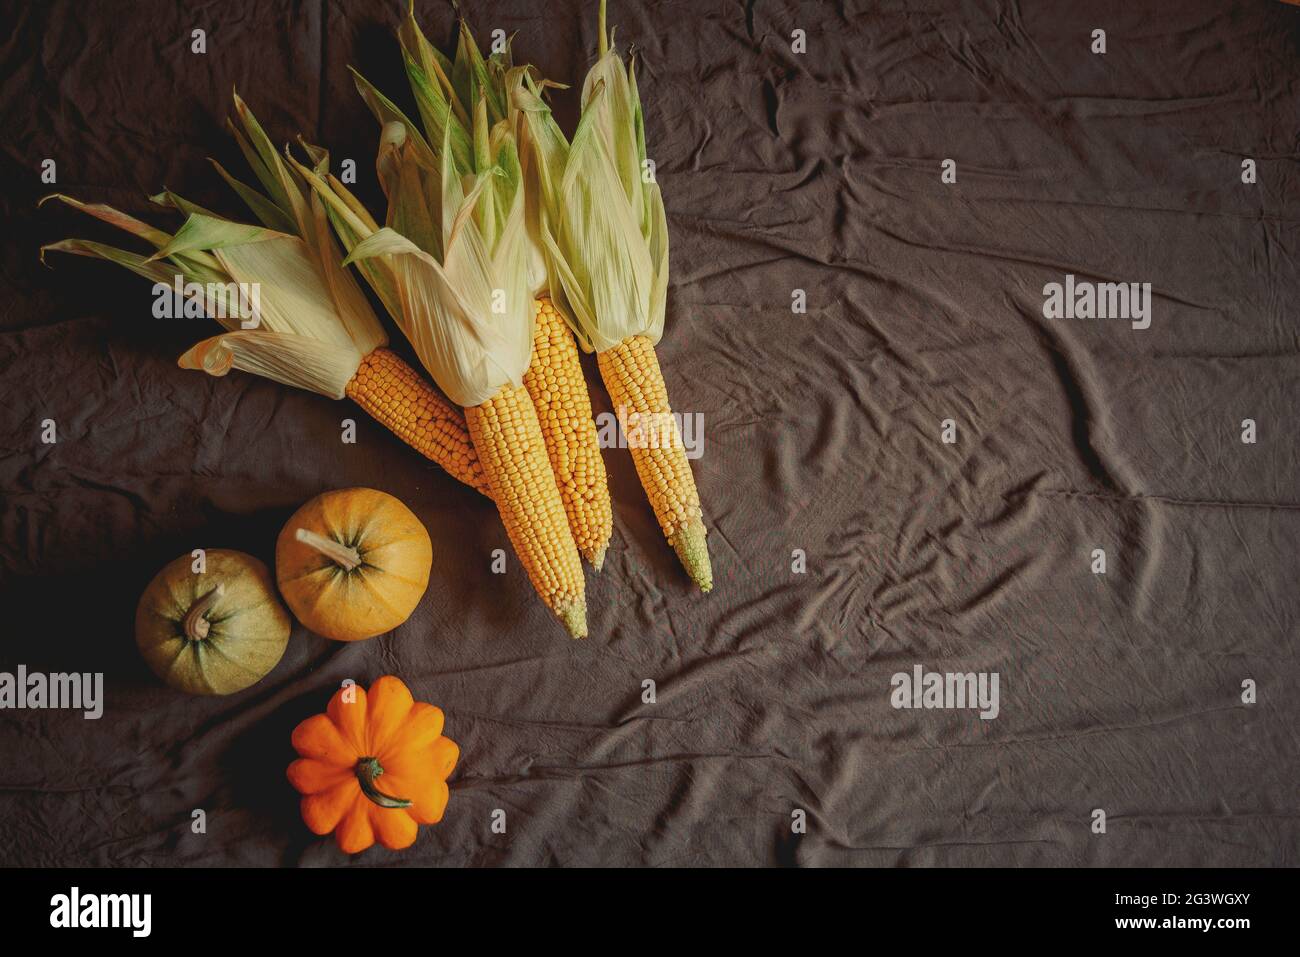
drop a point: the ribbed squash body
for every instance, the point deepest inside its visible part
(244, 629)
(404, 402)
(392, 552)
(373, 767)
(631, 373)
(510, 447)
(558, 389)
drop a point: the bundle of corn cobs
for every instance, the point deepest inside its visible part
(504, 241)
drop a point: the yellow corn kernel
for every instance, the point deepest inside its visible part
(508, 438)
(401, 400)
(555, 382)
(636, 386)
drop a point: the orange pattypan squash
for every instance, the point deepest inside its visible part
(373, 767)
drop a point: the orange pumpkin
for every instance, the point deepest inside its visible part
(373, 767)
(353, 563)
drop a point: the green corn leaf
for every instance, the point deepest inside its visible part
(385, 111)
(173, 200)
(353, 224)
(263, 157)
(408, 203)
(464, 74)
(437, 115)
(197, 266)
(156, 237)
(206, 233)
(430, 61)
(270, 215)
(319, 156)
(153, 271)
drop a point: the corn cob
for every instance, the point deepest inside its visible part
(509, 441)
(402, 401)
(555, 383)
(450, 93)
(452, 268)
(631, 373)
(606, 236)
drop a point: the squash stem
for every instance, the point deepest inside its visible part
(367, 770)
(196, 627)
(337, 552)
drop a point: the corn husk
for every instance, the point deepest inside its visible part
(452, 261)
(446, 93)
(602, 224)
(312, 324)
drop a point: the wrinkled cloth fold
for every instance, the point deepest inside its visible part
(835, 310)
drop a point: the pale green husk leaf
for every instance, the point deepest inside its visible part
(603, 228)
(283, 357)
(452, 261)
(313, 324)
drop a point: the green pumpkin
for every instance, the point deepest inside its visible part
(212, 632)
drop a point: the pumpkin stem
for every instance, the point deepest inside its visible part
(367, 770)
(194, 624)
(337, 552)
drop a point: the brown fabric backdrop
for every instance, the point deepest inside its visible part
(780, 172)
